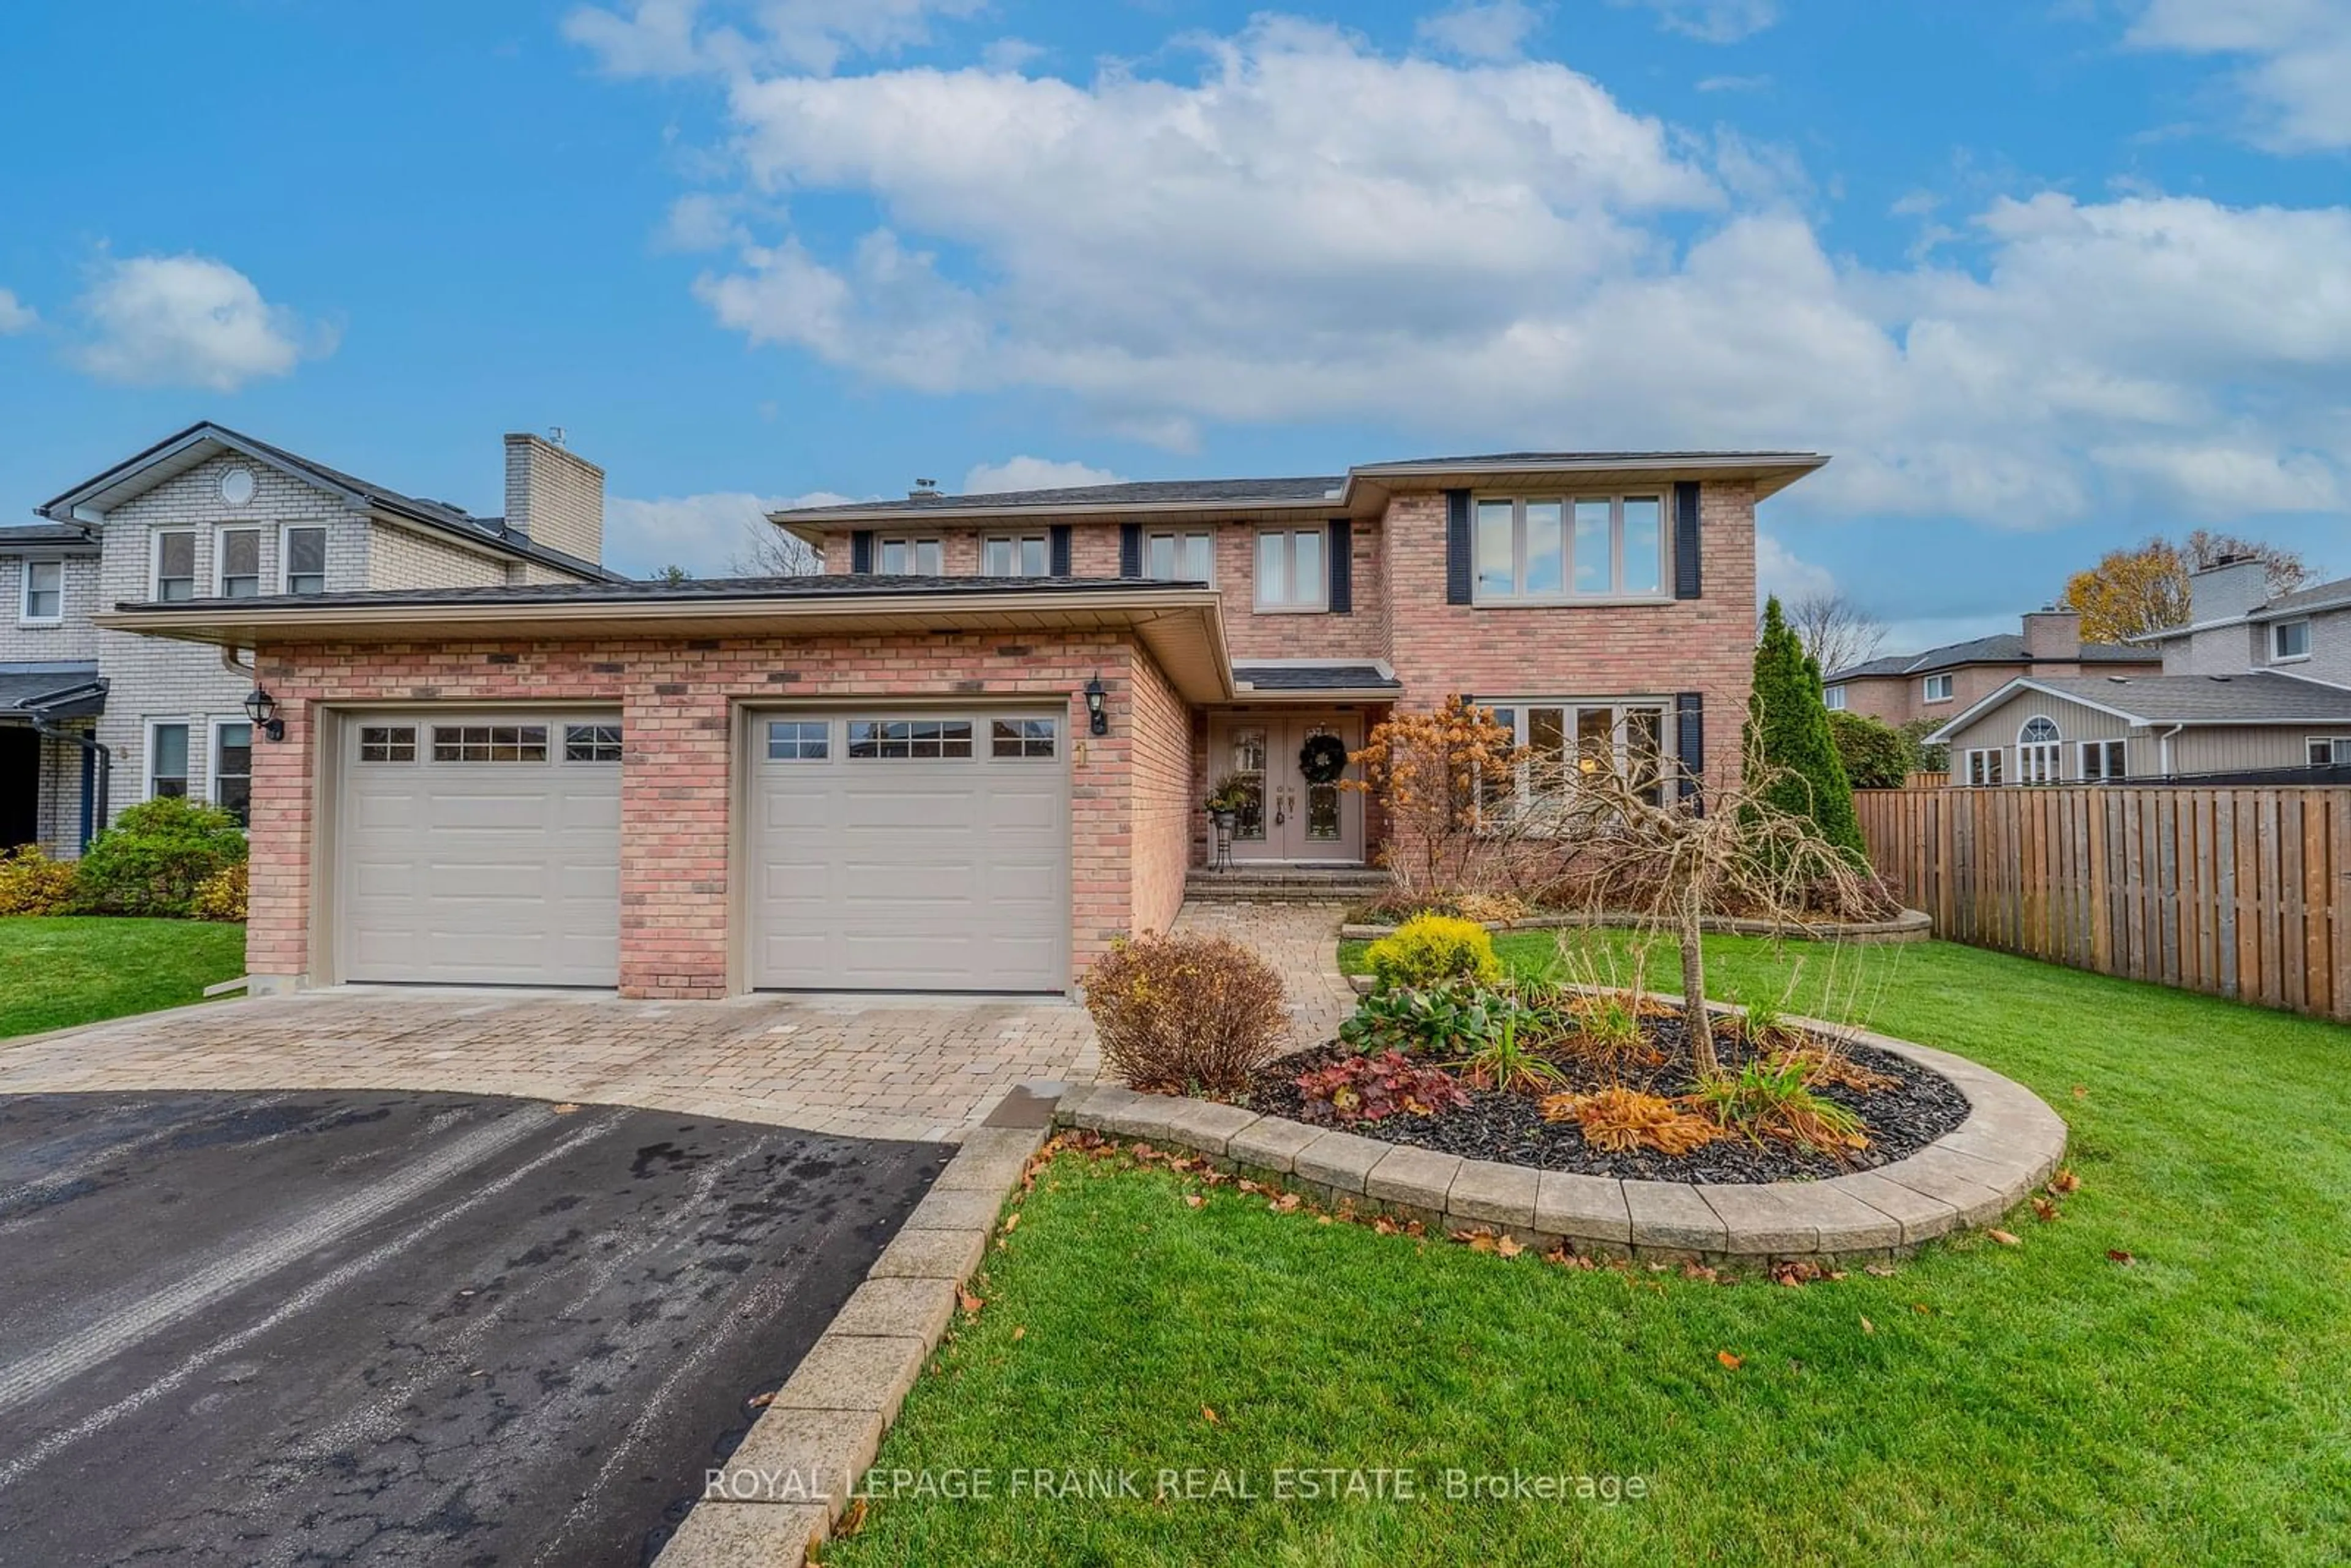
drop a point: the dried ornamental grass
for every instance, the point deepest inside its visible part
(1618, 1120)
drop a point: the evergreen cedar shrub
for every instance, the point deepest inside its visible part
(1875, 755)
(1430, 948)
(1926, 757)
(156, 855)
(1184, 1013)
(222, 895)
(33, 884)
(1788, 731)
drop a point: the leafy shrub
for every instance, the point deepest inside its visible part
(1930, 757)
(1452, 1015)
(1506, 1060)
(1617, 1120)
(33, 884)
(222, 895)
(1181, 1012)
(1876, 756)
(1430, 948)
(157, 854)
(1608, 1029)
(1774, 1101)
(1373, 1088)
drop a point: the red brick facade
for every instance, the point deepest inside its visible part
(677, 788)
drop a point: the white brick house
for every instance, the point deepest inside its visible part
(210, 513)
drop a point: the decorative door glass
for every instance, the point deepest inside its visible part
(1321, 800)
(1249, 762)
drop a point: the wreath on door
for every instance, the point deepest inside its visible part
(1323, 759)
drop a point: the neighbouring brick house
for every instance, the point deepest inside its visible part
(1903, 688)
(2250, 685)
(891, 777)
(92, 719)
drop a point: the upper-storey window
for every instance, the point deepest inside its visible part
(1835, 699)
(1022, 555)
(2289, 640)
(176, 564)
(902, 557)
(1935, 688)
(1180, 557)
(1290, 570)
(305, 551)
(44, 592)
(240, 563)
(1562, 549)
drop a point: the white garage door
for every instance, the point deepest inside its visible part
(480, 849)
(909, 852)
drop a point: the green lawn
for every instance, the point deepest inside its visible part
(2031, 1404)
(64, 970)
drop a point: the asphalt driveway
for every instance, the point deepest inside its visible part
(368, 1327)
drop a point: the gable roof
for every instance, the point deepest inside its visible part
(2002, 648)
(89, 501)
(2317, 597)
(2197, 701)
(1361, 491)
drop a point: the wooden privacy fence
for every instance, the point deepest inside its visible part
(2241, 893)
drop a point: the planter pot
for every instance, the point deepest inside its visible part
(1227, 821)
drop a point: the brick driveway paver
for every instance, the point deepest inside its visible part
(913, 1067)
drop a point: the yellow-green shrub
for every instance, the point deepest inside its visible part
(1428, 949)
(33, 884)
(221, 896)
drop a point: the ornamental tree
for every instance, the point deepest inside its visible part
(1788, 740)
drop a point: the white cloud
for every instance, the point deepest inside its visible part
(1713, 21)
(679, 38)
(15, 315)
(1032, 474)
(701, 533)
(1735, 84)
(189, 320)
(1504, 254)
(2296, 54)
(1480, 29)
(1778, 571)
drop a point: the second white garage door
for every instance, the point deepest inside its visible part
(480, 849)
(909, 852)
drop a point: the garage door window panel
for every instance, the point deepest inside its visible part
(489, 743)
(909, 739)
(592, 743)
(798, 740)
(1024, 737)
(388, 743)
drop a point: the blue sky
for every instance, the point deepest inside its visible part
(2044, 276)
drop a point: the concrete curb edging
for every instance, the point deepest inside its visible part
(789, 1479)
(1910, 925)
(2010, 1144)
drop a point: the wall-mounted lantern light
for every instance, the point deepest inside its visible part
(262, 708)
(1100, 723)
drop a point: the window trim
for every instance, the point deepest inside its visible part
(915, 543)
(220, 558)
(1181, 537)
(2310, 742)
(1019, 541)
(1927, 689)
(155, 538)
(212, 774)
(1997, 756)
(1321, 603)
(286, 558)
(1661, 704)
(2278, 626)
(1567, 596)
(1833, 698)
(416, 742)
(2083, 751)
(824, 738)
(24, 616)
(2040, 759)
(147, 755)
(1052, 739)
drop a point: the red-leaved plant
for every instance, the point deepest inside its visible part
(1373, 1088)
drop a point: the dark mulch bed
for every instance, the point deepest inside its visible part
(1509, 1126)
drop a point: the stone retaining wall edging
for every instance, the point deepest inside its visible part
(1910, 925)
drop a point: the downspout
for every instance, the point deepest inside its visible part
(228, 663)
(92, 747)
(2163, 747)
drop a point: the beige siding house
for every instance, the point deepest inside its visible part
(1941, 682)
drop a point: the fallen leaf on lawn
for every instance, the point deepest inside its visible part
(1385, 1225)
(1509, 1247)
(1020, 1330)
(1322, 1219)
(2064, 1181)
(2119, 1256)
(563, 1110)
(1193, 1200)
(1480, 1241)
(970, 1303)
(1728, 1360)
(2005, 1238)
(1210, 1416)
(852, 1519)
(1922, 1309)
(2081, 1092)
(2044, 1209)
(1286, 1204)
(1012, 1222)
(761, 1401)
(1880, 1271)
(1868, 1327)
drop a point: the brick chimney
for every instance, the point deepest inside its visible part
(2053, 634)
(2230, 586)
(555, 497)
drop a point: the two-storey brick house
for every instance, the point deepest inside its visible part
(973, 752)
(91, 719)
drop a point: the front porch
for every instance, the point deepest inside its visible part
(1281, 754)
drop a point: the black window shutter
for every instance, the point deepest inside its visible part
(1130, 549)
(1689, 739)
(1057, 549)
(1686, 580)
(1342, 566)
(860, 550)
(1457, 546)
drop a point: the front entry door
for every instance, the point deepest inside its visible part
(1289, 818)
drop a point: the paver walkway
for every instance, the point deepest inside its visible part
(1302, 940)
(859, 1067)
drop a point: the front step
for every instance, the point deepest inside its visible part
(1286, 885)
